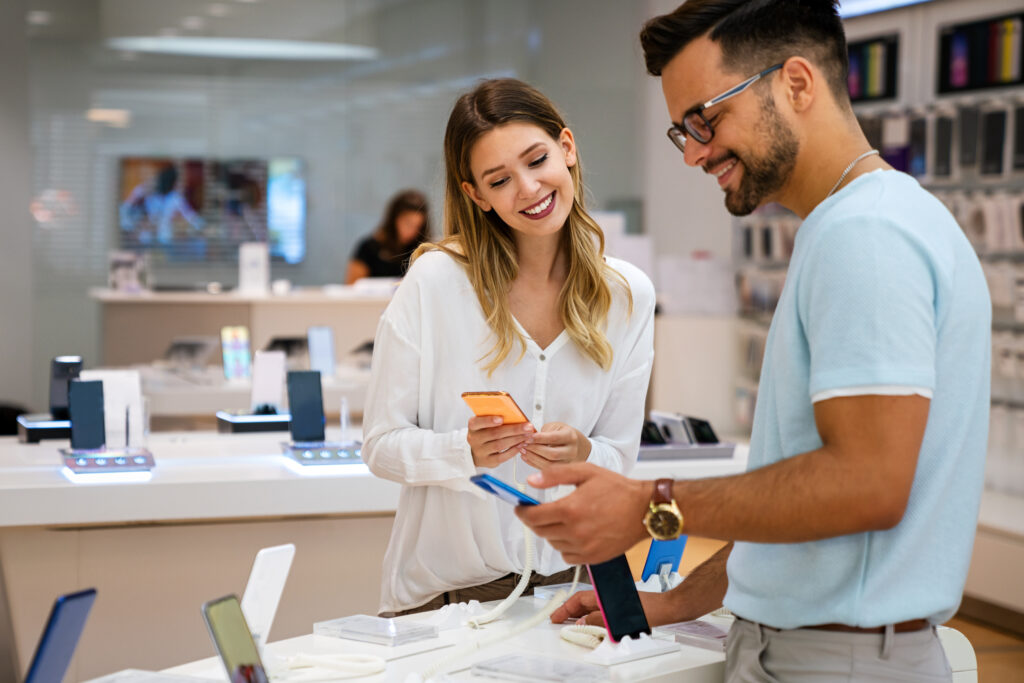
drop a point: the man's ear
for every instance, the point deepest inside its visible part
(470, 190)
(800, 81)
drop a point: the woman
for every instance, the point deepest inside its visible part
(516, 297)
(386, 252)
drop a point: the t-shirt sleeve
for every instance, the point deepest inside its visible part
(366, 251)
(866, 300)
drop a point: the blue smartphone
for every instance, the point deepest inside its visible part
(60, 637)
(507, 493)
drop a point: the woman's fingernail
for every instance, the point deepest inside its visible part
(496, 420)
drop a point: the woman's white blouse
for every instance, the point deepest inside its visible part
(430, 341)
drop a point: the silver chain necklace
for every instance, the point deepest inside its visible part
(848, 169)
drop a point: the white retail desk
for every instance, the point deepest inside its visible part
(689, 664)
(157, 550)
(137, 328)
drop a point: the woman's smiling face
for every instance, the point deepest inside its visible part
(523, 174)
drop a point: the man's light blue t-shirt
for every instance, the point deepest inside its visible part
(883, 289)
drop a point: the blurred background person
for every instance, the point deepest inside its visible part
(386, 252)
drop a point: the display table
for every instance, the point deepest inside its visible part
(137, 328)
(157, 550)
(687, 664)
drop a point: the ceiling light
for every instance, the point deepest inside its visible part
(117, 118)
(242, 48)
(218, 9)
(39, 18)
(193, 23)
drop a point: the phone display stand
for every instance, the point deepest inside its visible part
(231, 422)
(661, 582)
(35, 428)
(107, 461)
(629, 649)
(320, 453)
(679, 451)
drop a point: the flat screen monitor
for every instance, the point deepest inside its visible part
(854, 8)
(195, 210)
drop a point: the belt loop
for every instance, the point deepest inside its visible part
(760, 634)
(887, 639)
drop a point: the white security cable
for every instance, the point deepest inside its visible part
(528, 560)
(502, 634)
(584, 635)
(338, 667)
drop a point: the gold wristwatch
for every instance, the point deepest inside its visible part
(663, 520)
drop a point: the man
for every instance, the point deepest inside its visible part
(851, 532)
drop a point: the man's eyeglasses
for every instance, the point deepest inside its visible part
(697, 126)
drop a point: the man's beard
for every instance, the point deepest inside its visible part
(764, 176)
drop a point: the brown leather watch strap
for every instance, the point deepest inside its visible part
(662, 491)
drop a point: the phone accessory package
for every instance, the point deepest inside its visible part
(369, 629)
(698, 633)
(518, 667)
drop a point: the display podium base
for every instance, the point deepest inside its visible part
(320, 453)
(678, 451)
(241, 423)
(107, 461)
(35, 428)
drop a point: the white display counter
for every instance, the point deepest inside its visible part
(157, 550)
(137, 328)
(183, 394)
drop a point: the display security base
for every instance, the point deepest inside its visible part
(678, 451)
(108, 461)
(242, 423)
(629, 649)
(35, 428)
(320, 453)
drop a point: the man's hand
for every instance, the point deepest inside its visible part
(556, 443)
(492, 442)
(601, 519)
(660, 608)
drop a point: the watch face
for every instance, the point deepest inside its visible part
(664, 524)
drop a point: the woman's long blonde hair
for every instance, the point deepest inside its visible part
(484, 245)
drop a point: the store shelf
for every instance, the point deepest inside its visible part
(1002, 512)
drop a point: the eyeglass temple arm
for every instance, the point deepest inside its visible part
(741, 87)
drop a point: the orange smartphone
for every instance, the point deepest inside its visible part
(498, 403)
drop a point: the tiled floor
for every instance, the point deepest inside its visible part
(1000, 654)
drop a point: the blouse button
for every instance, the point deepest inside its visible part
(543, 357)
(538, 406)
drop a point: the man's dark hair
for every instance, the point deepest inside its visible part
(753, 35)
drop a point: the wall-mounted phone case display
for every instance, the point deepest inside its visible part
(981, 54)
(872, 74)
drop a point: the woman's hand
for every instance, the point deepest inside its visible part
(556, 442)
(493, 443)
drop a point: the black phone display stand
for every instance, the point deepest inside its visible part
(672, 436)
(308, 447)
(55, 424)
(231, 422)
(89, 454)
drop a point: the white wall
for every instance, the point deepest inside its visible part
(15, 190)
(364, 132)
